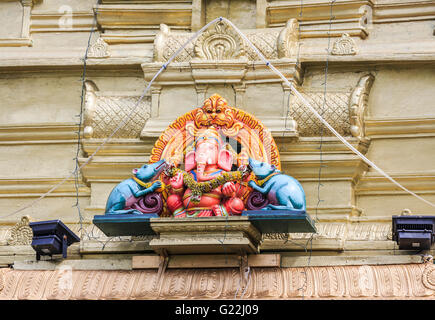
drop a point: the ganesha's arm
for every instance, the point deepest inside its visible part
(177, 185)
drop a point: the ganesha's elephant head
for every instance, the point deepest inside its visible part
(209, 151)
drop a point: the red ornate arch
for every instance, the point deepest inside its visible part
(255, 139)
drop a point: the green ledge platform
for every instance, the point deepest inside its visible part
(281, 221)
(115, 225)
(265, 221)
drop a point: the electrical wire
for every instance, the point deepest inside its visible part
(80, 115)
(322, 110)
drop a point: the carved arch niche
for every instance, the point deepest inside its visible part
(220, 58)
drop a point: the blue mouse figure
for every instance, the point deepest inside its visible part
(283, 192)
(128, 191)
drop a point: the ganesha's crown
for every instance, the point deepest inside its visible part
(211, 135)
(213, 121)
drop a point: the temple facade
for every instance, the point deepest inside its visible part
(77, 119)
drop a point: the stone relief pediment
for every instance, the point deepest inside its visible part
(222, 42)
(219, 42)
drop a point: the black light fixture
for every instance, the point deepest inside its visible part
(414, 232)
(51, 237)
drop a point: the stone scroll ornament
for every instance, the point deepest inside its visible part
(215, 160)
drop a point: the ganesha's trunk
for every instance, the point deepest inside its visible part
(200, 168)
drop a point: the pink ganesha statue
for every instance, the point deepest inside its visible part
(208, 160)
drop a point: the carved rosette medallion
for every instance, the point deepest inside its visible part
(100, 49)
(429, 278)
(21, 233)
(344, 46)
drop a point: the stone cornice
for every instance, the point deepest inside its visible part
(133, 64)
(110, 168)
(336, 230)
(44, 133)
(16, 42)
(349, 17)
(198, 72)
(35, 187)
(395, 11)
(400, 128)
(374, 184)
(144, 16)
(51, 22)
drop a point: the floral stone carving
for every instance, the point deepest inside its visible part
(222, 42)
(21, 233)
(333, 282)
(100, 49)
(344, 46)
(219, 43)
(429, 273)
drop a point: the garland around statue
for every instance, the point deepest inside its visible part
(199, 188)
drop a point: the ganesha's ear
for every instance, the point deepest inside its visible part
(225, 160)
(189, 161)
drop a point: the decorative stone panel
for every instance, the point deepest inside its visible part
(222, 42)
(21, 233)
(344, 111)
(406, 281)
(344, 46)
(100, 49)
(104, 112)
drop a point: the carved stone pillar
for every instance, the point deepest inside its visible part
(155, 100)
(261, 19)
(201, 91)
(240, 96)
(27, 8)
(220, 57)
(198, 14)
